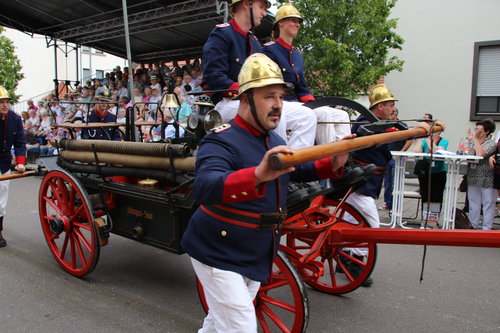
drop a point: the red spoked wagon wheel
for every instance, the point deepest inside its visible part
(337, 258)
(281, 305)
(68, 223)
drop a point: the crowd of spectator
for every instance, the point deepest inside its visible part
(149, 83)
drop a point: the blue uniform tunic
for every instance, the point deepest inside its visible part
(225, 175)
(11, 135)
(380, 156)
(102, 133)
(224, 53)
(291, 62)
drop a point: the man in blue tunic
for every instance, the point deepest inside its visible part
(224, 53)
(382, 105)
(100, 114)
(11, 135)
(233, 236)
(286, 27)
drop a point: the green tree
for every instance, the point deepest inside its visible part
(10, 66)
(346, 44)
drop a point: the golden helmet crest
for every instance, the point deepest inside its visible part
(287, 11)
(259, 71)
(4, 94)
(380, 93)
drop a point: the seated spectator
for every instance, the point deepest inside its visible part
(137, 82)
(170, 129)
(155, 99)
(188, 80)
(113, 90)
(79, 113)
(105, 81)
(138, 95)
(122, 90)
(45, 126)
(147, 94)
(32, 105)
(124, 102)
(85, 96)
(25, 116)
(122, 113)
(194, 78)
(58, 110)
(99, 87)
(155, 81)
(113, 106)
(34, 118)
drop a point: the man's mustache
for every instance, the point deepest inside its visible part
(274, 112)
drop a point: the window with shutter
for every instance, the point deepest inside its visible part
(485, 101)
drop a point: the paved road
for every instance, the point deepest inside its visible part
(136, 288)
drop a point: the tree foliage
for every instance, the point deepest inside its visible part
(10, 66)
(346, 44)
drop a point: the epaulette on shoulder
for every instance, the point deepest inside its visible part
(269, 43)
(223, 25)
(220, 128)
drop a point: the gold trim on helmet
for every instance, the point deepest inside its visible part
(234, 2)
(380, 93)
(287, 11)
(259, 71)
(4, 94)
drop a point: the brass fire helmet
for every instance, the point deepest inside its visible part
(380, 93)
(103, 96)
(234, 2)
(287, 11)
(4, 94)
(259, 71)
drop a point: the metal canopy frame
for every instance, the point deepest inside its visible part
(159, 29)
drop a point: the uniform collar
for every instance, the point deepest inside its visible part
(237, 28)
(284, 44)
(246, 126)
(97, 113)
(6, 115)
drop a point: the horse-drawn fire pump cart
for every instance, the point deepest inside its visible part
(143, 191)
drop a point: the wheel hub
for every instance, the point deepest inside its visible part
(56, 226)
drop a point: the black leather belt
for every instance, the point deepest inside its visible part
(263, 221)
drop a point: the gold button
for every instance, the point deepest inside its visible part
(244, 193)
(233, 196)
(237, 59)
(223, 233)
(284, 69)
(293, 65)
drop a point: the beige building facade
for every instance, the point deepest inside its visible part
(449, 46)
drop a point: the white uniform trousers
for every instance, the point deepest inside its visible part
(295, 117)
(230, 298)
(326, 133)
(4, 195)
(487, 197)
(368, 208)
(301, 121)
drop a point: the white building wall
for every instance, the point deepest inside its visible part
(438, 54)
(39, 66)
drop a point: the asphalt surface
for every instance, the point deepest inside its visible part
(137, 288)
